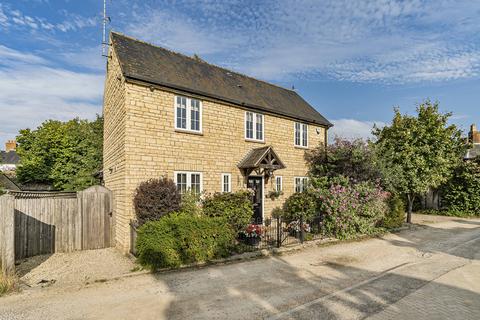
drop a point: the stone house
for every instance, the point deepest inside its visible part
(207, 128)
(9, 158)
(474, 139)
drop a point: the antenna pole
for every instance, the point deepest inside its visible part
(104, 38)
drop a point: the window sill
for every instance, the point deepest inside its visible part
(301, 147)
(256, 141)
(197, 133)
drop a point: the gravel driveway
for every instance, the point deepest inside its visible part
(431, 272)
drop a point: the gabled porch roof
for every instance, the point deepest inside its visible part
(261, 158)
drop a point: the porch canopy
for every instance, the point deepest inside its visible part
(262, 160)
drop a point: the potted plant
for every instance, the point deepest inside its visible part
(294, 228)
(252, 234)
(274, 194)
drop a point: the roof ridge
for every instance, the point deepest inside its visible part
(201, 61)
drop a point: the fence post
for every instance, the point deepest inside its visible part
(7, 234)
(279, 235)
(302, 231)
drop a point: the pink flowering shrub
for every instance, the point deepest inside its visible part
(351, 209)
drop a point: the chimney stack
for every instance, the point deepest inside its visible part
(474, 134)
(10, 145)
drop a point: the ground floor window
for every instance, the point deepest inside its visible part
(186, 181)
(301, 184)
(278, 183)
(226, 182)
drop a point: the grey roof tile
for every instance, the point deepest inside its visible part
(148, 63)
(10, 157)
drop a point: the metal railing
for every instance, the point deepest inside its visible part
(276, 233)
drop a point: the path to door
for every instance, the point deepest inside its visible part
(430, 273)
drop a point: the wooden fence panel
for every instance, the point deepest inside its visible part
(45, 223)
(7, 234)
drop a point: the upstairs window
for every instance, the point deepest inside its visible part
(187, 181)
(188, 114)
(301, 184)
(226, 182)
(301, 135)
(278, 183)
(254, 126)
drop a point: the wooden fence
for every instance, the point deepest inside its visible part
(46, 222)
(7, 249)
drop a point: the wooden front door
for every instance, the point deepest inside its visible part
(256, 184)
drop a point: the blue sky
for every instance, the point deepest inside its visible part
(352, 60)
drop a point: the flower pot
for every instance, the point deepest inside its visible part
(252, 241)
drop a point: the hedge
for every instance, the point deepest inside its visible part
(179, 239)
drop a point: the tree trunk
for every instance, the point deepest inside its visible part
(410, 198)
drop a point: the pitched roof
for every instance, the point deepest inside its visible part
(148, 63)
(261, 157)
(10, 157)
(473, 153)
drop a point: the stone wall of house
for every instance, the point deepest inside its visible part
(141, 143)
(114, 164)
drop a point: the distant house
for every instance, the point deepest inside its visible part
(9, 161)
(207, 128)
(474, 138)
(9, 158)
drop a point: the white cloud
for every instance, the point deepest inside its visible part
(14, 18)
(3, 18)
(75, 22)
(9, 56)
(353, 129)
(33, 90)
(179, 32)
(86, 57)
(351, 40)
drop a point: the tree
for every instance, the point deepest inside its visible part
(63, 154)
(419, 152)
(352, 159)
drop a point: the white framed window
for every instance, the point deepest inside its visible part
(188, 114)
(301, 135)
(186, 180)
(254, 126)
(301, 184)
(226, 182)
(278, 183)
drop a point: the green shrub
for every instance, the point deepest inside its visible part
(190, 203)
(349, 210)
(461, 194)
(182, 239)
(236, 208)
(277, 212)
(156, 198)
(395, 216)
(297, 205)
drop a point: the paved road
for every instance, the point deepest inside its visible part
(430, 273)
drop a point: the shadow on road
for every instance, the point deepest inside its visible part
(272, 287)
(433, 239)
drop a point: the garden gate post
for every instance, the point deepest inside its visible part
(279, 230)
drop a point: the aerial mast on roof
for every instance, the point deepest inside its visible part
(106, 20)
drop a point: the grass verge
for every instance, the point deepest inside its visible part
(7, 284)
